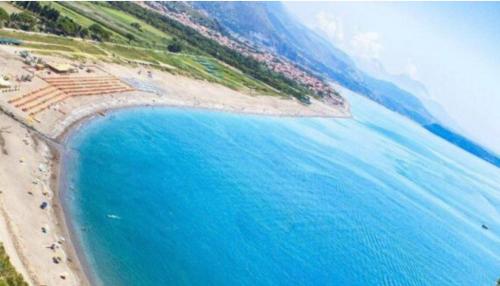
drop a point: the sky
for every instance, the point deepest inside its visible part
(453, 48)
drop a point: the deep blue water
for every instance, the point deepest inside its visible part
(192, 197)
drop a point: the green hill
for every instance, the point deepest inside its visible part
(125, 31)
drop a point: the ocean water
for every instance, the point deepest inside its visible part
(172, 196)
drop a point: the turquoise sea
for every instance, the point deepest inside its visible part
(166, 196)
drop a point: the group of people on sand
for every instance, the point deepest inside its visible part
(149, 73)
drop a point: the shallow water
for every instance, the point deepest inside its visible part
(190, 197)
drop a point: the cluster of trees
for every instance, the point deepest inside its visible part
(8, 274)
(192, 37)
(137, 26)
(99, 33)
(4, 17)
(175, 46)
(24, 20)
(50, 20)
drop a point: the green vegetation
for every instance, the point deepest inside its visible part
(136, 26)
(24, 21)
(4, 17)
(63, 11)
(67, 27)
(56, 43)
(99, 33)
(49, 20)
(9, 275)
(119, 24)
(129, 33)
(189, 65)
(175, 47)
(130, 37)
(8, 7)
(247, 65)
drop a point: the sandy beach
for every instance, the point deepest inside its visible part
(32, 222)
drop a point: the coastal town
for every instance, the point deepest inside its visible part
(275, 62)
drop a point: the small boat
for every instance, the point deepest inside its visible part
(484, 226)
(112, 216)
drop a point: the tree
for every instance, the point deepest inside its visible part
(130, 37)
(137, 26)
(33, 6)
(4, 17)
(67, 27)
(49, 13)
(84, 33)
(23, 20)
(175, 46)
(99, 33)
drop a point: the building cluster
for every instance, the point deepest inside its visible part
(271, 60)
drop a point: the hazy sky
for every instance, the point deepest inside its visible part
(452, 48)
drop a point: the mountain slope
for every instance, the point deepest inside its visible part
(376, 69)
(270, 25)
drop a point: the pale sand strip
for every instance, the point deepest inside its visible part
(25, 174)
(10, 244)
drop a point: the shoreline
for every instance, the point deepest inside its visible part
(75, 248)
(66, 132)
(162, 101)
(35, 164)
(72, 247)
(78, 264)
(31, 172)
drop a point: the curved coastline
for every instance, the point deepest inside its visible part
(74, 247)
(106, 207)
(36, 150)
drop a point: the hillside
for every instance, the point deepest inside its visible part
(271, 25)
(128, 32)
